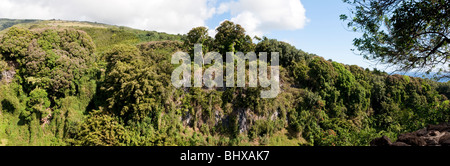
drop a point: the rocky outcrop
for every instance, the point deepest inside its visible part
(243, 123)
(382, 141)
(432, 135)
(7, 75)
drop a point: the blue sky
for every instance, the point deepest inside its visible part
(310, 25)
(324, 34)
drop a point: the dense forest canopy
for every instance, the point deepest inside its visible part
(110, 86)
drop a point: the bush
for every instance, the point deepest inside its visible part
(15, 42)
(49, 58)
(38, 102)
(288, 53)
(101, 130)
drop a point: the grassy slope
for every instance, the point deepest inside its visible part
(103, 35)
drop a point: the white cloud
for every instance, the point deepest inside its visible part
(172, 16)
(223, 7)
(212, 32)
(258, 17)
(250, 22)
(262, 16)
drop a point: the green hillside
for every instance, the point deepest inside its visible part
(6, 23)
(80, 83)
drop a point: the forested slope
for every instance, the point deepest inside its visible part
(72, 83)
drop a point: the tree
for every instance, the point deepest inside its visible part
(52, 59)
(101, 129)
(38, 104)
(300, 73)
(133, 89)
(38, 100)
(121, 53)
(288, 53)
(408, 33)
(306, 117)
(198, 35)
(15, 42)
(231, 37)
(321, 73)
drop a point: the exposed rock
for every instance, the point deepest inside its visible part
(432, 135)
(7, 75)
(411, 139)
(382, 141)
(218, 116)
(421, 132)
(440, 127)
(187, 119)
(445, 139)
(274, 116)
(46, 119)
(242, 121)
(399, 144)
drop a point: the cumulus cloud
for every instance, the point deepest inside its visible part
(172, 16)
(258, 17)
(262, 16)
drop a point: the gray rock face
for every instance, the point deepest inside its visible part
(243, 127)
(7, 75)
(432, 135)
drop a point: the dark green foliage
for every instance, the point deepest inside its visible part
(198, 35)
(129, 84)
(321, 73)
(8, 106)
(288, 53)
(67, 92)
(145, 36)
(15, 43)
(131, 91)
(231, 37)
(52, 65)
(444, 89)
(134, 82)
(407, 33)
(159, 53)
(101, 130)
(121, 53)
(347, 102)
(38, 104)
(300, 73)
(354, 95)
(49, 58)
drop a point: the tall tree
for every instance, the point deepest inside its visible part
(133, 88)
(231, 37)
(198, 35)
(413, 34)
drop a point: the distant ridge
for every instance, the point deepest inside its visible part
(27, 23)
(6, 23)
